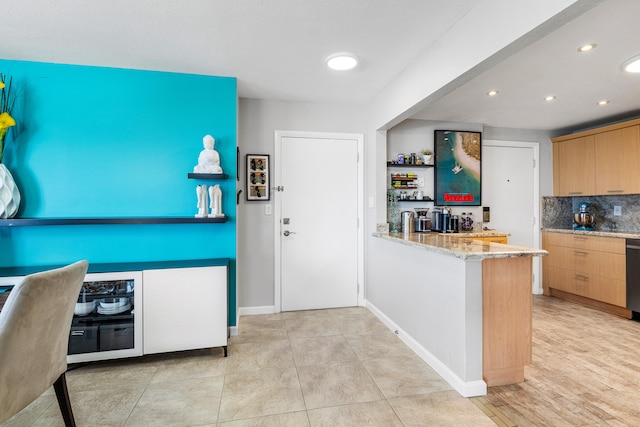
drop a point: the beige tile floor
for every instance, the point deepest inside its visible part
(338, 367)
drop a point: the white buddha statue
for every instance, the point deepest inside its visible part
(209, 159)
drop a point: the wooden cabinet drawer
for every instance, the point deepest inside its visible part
(586, 285)
(580, 241)
(604, 264)
(612, 291)
(599, 243)
(560, 278)
(560, 239)
(561, 257)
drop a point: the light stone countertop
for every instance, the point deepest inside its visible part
(459, 245)
(620, 234)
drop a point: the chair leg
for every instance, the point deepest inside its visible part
(60, 386)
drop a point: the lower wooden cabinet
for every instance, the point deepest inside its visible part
(494, 239)
(587, 269)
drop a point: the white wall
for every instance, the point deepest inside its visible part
(257, 121)
(429, 77)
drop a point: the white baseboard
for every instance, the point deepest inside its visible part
(252, 311)
(465, 388)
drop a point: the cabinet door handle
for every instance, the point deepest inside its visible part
(581, 277)
(575, 192)
(615, 191)
(580, 237)
(580, 253)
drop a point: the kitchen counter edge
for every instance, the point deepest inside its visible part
(619, 234)
(460, 246)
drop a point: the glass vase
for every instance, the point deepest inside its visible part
(393, 211)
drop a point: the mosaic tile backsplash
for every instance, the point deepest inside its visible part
(557, 212)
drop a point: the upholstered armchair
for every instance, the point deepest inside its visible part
(34, 336)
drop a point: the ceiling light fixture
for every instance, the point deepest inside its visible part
(587, 47)
(342, 61)
(603, 102)
(493, 93)
(632, 65)
(549, 98)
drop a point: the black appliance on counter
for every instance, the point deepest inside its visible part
(423, 222)
(633, 275)
(436, 219)
(442, 221)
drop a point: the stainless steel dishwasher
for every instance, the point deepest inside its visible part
(633, 274)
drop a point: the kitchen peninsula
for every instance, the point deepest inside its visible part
(463, 305)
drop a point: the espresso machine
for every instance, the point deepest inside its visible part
(423, 222)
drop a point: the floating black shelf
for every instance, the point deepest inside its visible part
(207, 176)
(396, 165)
(23, 222)
(415, 200)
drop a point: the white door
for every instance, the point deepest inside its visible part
(510, 189)
(318, 222)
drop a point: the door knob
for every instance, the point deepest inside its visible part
(287, 232)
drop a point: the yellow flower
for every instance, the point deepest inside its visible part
(1, 85)
(6, 121)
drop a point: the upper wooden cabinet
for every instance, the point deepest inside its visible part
(576, 167)
(617, 159)
(602, 161)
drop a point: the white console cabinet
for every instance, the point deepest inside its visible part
(132, 309)
(184, 309)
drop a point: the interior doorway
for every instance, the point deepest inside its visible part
(318, 220)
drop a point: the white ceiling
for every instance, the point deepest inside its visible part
(553, 66)
(276, 49)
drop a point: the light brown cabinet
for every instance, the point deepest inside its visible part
(602, 161)
(586, 269)
(495, 239)
(577, 165)
(617, 161)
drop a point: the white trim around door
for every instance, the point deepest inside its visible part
(277, 182)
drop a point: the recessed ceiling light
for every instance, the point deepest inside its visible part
(587, 47)
(603, 102)
(342, 61)
(632, 65)
(493, 93)
(549, 98)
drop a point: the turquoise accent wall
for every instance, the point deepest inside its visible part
(107, 142)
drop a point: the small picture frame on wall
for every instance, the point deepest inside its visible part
(258, 185)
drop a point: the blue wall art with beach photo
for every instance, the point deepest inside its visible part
(457, 168)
